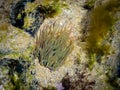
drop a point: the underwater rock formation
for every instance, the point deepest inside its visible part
(17, 75)
(29, 21)
(21, 70)
(15, 43)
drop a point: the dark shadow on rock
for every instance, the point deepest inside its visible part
(14, 65)
(17, 74)
(19, 9)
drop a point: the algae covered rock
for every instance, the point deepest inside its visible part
(16, 75)
(27, 16)
(14, 42)
(16, 59)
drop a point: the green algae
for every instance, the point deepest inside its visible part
(16, 55)
(53, 8)
(28, 21)
(30, 7)
(18, 79)
(100, 28)
(90, 4)
(6, 34)
(15, 83)
(50, 8)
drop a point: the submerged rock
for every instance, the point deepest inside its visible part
(19, 70)
(17, 74)
(16, 48)
(27, 16)
(15, 43)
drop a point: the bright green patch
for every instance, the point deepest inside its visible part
(28, 21)
(19, 16)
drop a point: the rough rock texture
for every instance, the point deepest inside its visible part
(12, 40)
(22, 71)
(68, 17)
(16, 74)
(22, 17)
(16, 47)
(15, 41)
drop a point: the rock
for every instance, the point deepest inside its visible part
(70, 16)
(27, 16)
(16, 53)
(20, 69)
(15, 42)
(16, 73)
